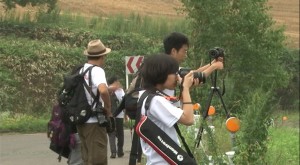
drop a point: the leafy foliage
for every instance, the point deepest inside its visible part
(254, 46)
(9, 4)
(42, 55)
(252, 141)
(254, 63)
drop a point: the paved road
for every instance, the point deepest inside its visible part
(32, 149)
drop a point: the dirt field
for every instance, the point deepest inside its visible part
(284, 12)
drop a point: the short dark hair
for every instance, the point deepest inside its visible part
(175, 40)
(156, 69)
(112, 79)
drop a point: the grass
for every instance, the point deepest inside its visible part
(283, 146)
(22, 123)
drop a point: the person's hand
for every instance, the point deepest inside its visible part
(189, 80)
(114, 86)
(107, 112)
(219, 65)
(179, 79)
(126, 118)
(197, 82)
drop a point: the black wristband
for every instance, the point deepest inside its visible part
(187, 103)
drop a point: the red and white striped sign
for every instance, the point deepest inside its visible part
(133, 63)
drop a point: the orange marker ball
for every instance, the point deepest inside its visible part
(211, 110)
(284, 118)
(196, 106)
(233, 124)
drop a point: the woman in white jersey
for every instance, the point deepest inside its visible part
(159, 73)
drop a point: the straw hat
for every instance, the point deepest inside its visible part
(96, 48)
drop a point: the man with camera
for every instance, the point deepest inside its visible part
(177, 44)
(91, 133)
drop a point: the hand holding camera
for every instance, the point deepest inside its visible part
(218, 64)
(198, 77)
(188, 80)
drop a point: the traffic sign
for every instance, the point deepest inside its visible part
(133, 63)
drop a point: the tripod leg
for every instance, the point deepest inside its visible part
(232, 135)
(220, 96)
(205, 114)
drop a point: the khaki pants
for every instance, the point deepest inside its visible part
(93, 144)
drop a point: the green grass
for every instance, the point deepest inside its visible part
(283, 141)
(22, 123)
(283, 146)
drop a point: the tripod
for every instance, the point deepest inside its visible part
(214, 89)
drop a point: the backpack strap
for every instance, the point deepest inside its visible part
(140, 104)
(89, 87)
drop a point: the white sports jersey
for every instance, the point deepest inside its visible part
(164, 115)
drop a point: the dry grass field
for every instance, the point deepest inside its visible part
(284, 12)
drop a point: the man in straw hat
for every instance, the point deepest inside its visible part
(93, 136)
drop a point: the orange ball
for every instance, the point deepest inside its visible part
(211, 110)
(196, 106)
(233, 124)
(284, 118)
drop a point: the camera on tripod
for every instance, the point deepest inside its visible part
(216, 52)
(199, 75)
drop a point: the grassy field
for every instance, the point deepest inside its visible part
(284, 12)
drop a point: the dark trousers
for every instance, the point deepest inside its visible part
(119, 135)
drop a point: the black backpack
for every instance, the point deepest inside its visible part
(72, 98)
(130, 99)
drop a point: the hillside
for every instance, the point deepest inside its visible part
(284, 12)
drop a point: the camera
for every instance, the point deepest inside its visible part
(99, 112)
(216, 52)
(199, 75)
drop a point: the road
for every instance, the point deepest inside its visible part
(32, 149)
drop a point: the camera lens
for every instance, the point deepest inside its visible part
(197, 75)
(216, 52)
(200, 76)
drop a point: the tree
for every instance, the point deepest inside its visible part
(254, 51)
(254, 46)
(9, 4)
